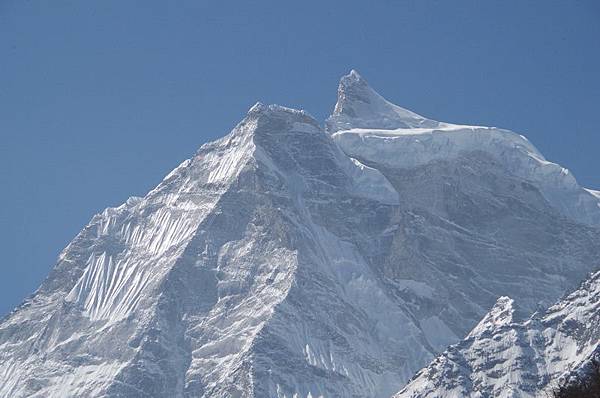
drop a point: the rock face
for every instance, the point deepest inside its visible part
(504, 358)
(285, 260)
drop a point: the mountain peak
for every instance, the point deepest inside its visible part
(360, 106)
(222, 281)
(260, 111)
(500, 315)
(353, 78)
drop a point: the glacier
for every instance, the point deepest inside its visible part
(288, 259)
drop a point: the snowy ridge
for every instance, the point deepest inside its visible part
(500, 315)
(285, 261)
(409, 148)
(502, 358)
(400, 139)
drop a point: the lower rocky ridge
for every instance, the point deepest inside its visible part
(531, 358)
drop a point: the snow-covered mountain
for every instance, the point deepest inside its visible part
(288, 260)
(503, 357)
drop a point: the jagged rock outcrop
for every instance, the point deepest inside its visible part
(502, 357)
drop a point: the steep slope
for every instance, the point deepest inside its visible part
(169, 295)
(505, 358)
(99, 312)
(284, 260)
(484, 215)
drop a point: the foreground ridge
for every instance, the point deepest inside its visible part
(502, 358)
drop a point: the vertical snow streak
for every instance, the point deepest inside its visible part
(138, 245)
(108, 287)
(9, 378)
(112, 285)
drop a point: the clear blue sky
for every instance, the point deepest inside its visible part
(100, 99)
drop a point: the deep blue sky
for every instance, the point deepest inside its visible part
(100, 99)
